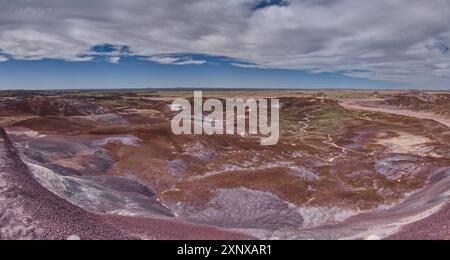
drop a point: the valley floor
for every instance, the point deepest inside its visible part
(100, 165)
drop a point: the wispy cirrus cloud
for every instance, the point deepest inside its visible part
(403, 41)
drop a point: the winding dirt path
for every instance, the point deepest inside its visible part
(358, 104)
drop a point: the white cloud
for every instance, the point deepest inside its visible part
(396, 41)
(163, 60)
(245, 65)
(114, 60)
(173, 60)
(3, 58)
(80, 59)
(190, 62)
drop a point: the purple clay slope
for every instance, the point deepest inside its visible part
(435, 227)
(29, 211)
(32, 212)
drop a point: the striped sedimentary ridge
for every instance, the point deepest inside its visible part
(30, 211)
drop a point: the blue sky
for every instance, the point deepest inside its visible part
(225, 44)
(197, 71)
